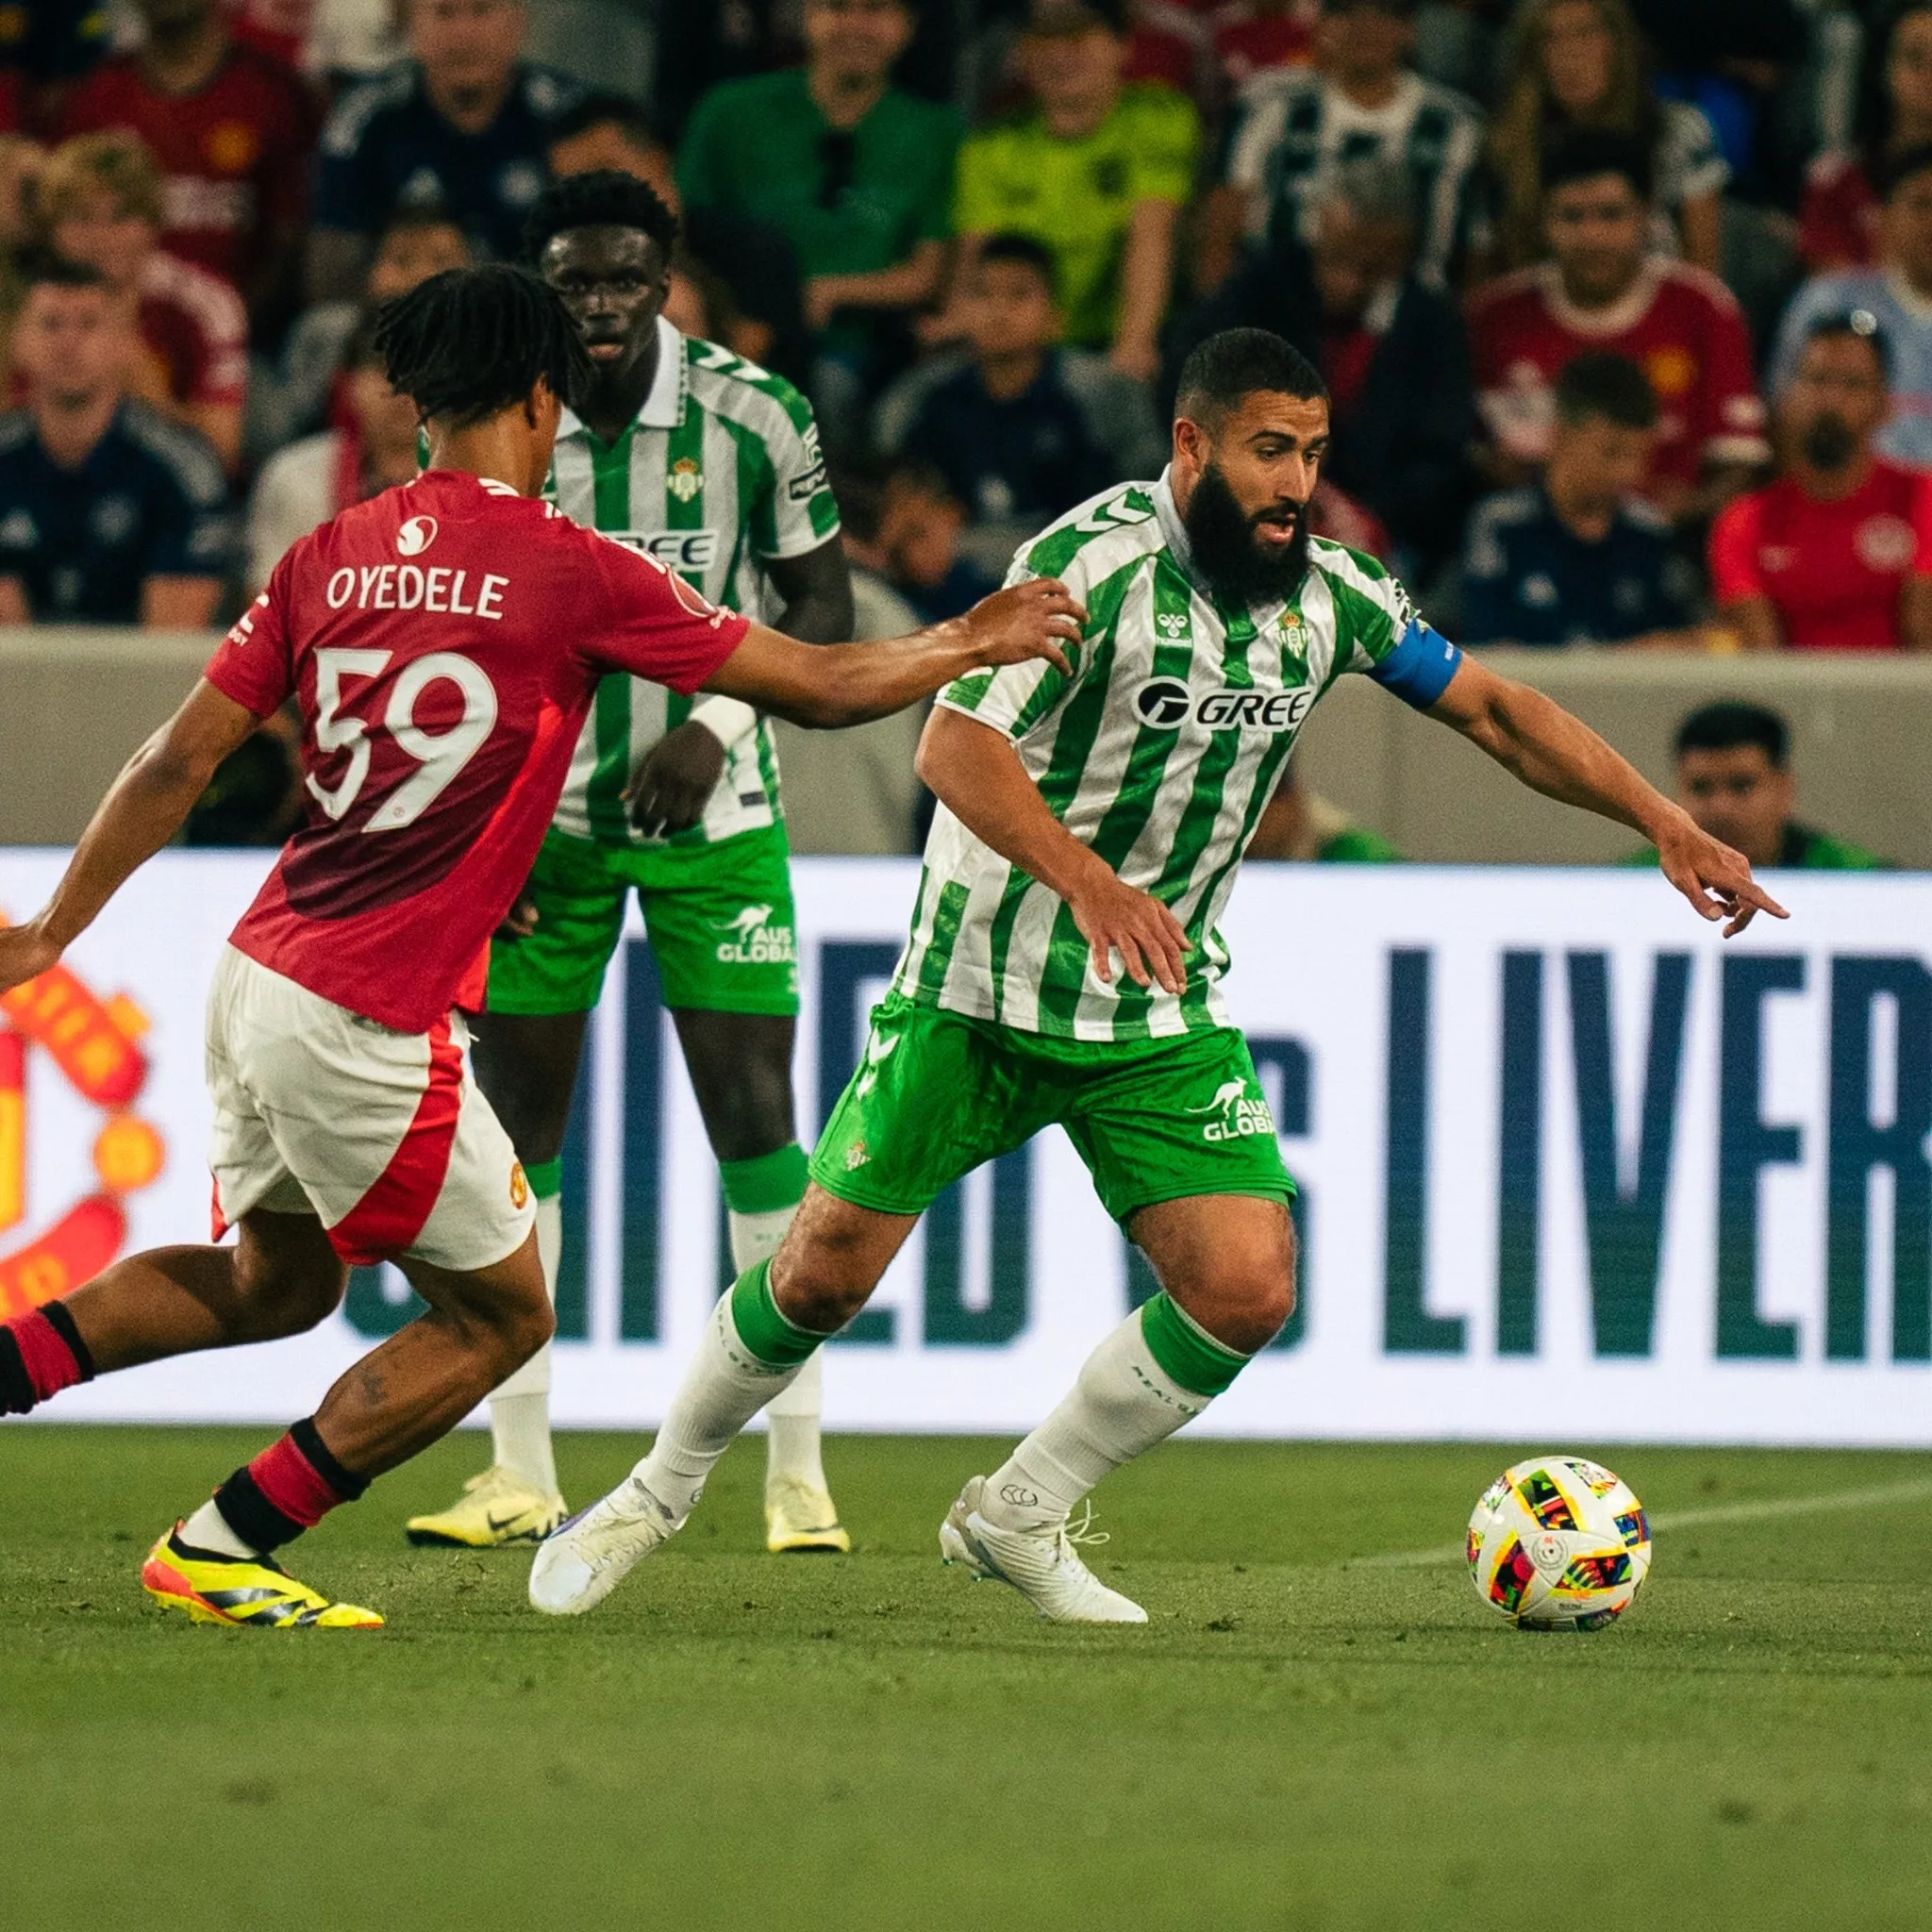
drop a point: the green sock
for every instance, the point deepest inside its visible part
(776, 1341)
(1190, 1357)
(766, 1182)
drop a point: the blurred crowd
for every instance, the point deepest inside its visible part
(1624, 305)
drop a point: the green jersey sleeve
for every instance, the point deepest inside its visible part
(1166, 147)
(932, 218)
(798, 511)
(1378, 630)
(979, 206)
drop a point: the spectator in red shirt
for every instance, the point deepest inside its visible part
(1838, 225)
(1837, 554)
(232, 129)
(101, 204)
(1603, 291)
(1250, 36)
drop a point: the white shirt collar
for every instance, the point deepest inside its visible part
(664, 407)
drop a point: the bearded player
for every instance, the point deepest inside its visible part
(444, 643)
(705, 463)
(1064, 966)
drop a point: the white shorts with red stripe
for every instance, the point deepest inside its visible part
(384, 1136)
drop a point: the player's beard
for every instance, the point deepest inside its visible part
(1226, 553)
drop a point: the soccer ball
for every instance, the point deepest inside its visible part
(1559, 1543)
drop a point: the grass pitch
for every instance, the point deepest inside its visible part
(1299, 1740)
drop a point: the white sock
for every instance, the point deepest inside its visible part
(520, 1409)
(1123, 1404)
(723, 1388)
(208, 1529)
(791, 1444)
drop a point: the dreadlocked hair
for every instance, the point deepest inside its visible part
(602, 199)
(471, 341)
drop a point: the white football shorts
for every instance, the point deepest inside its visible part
(384, 1136)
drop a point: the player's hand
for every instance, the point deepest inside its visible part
(1114, 917)
(25, 953)
(1716, 880)
(519, 922)
(1030, 620)
(678, 774)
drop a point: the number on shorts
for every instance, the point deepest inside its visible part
(440, 753)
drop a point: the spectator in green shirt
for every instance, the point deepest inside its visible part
(857, 173)
(1734, 777)
(1097, 170)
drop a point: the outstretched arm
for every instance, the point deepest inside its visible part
(144, 808)
(1535, 740)
(975, 772)
(829, 686)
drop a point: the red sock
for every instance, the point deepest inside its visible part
(288, 1488)
(48, 1355)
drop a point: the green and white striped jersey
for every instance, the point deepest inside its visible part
(720, 472)
(1159, 751)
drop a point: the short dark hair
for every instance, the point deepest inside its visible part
(471, 341)
(1584, 153)
(1727, 725)
(1860, 325)
(1607, 386)
(1903, 167)
(1023, 249)
(602, 199)
(37, 268)
(1219, 372)
(604, 110)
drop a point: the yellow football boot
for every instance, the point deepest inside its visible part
(252, 1591)
(802, 1520)
(496, 1507)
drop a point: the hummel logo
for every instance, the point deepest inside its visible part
(1173, 622)
(878, 1050)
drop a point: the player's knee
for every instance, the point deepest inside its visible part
(278, 1300)
(1243, 1299)
(815, 1292)
(525, 1324)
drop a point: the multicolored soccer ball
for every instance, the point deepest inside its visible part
(1559, 1543)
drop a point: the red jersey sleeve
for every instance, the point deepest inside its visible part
(1731, 415)
(253, 664)
(1733, 552)
(1921, 526)
(652, 623)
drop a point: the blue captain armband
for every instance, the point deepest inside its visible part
(1419, 669)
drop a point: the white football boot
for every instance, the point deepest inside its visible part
(582, 1562)
(1040, 1563)
(802, 1518)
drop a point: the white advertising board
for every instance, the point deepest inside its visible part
(1573, 1167)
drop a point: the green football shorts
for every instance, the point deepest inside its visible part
(1154, 1120)
(719, 918)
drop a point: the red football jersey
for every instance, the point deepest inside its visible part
(235, 152)
(1678, 325)
(1833, 569)
(444, 640)
(1838, 224)
(194, 331)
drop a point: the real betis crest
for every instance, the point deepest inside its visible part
(685, 479)
(1295, 647)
